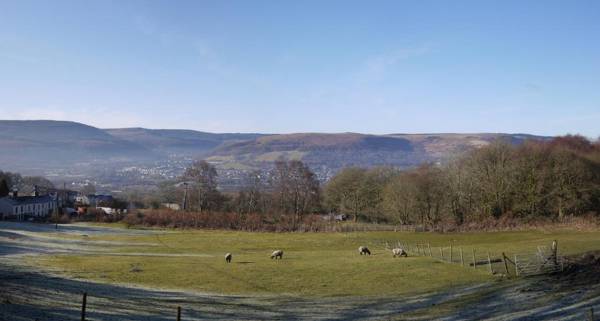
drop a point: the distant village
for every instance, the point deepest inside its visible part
(45, 203)
(122, 176)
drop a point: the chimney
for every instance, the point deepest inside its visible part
(14, 193)
(36, 192)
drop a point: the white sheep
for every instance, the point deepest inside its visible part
(228, 257)
(277, 254)
(364, 250)
(399, 252)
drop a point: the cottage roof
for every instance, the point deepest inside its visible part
(26, 200)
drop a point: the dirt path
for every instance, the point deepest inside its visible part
(34, 293)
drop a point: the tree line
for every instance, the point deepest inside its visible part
(279, 199)
(535, 180)
(289, 188)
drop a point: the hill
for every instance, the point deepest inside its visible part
(177, 141)
(143, 156)
(50, 143)
(330, 152)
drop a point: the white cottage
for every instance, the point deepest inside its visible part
(24, 207)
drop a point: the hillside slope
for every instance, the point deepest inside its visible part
(335, 151)
(40, 145)
(178, 141)
(45, 143)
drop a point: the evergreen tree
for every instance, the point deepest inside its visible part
(4, 190)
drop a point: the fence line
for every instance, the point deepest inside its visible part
(544, 260)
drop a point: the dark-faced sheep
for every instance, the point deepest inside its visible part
(364, 250)
(228, 257)
(399, 252)
(277, 254)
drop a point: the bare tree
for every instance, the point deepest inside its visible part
(295, 188)
(343, 192)
(399, 201)
(251, 198)
(204, 193)
(494, 173)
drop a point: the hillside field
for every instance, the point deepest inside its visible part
(313, 265)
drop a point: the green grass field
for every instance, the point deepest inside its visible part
(314, 264)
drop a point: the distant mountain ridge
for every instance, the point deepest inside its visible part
(189, 142)
(49, 142)
(61, 143)
(335, 151)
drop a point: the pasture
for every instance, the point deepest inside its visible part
(313, 264)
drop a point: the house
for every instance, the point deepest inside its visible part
(334, 217)
(108, 210)
(94, 200)
(87, 200)
(26, 207)
(171, 206)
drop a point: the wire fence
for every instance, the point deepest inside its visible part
(542, 261)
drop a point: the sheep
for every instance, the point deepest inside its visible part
(228, 257)
(364, 250)
(277, 254)
(399, 252)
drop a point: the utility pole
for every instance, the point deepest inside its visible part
(56, 218)
(64, 193)
(185, 196)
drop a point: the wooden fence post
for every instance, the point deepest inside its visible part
(474, 263)
(178, 313)
(555, 252)
(83, 304)
(450, 253)
(462, 258)
(591, 314)
(490, 263)
(505, 264)
(516, 266)
(441, 253)
(429, 247)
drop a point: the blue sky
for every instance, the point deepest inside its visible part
(305, 66)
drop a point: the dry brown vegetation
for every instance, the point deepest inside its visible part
(227, 221)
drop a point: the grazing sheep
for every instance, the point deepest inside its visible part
(277, 254)
(228, 257)
(364, 250)
(399, 252)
